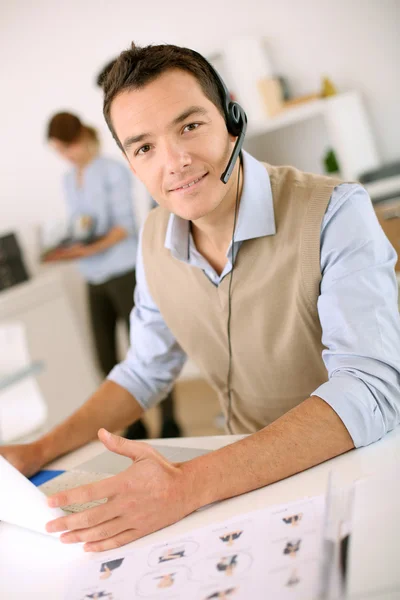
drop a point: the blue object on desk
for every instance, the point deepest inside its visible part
(44, 476)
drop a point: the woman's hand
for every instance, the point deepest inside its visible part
(71, 253)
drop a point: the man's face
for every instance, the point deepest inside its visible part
(176, 143)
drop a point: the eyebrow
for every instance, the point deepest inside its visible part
(192, 110)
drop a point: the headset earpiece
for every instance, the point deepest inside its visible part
(236, 123)
(235, 118)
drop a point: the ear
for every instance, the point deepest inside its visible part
(232, 139)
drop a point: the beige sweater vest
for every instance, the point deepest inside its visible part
(275, 328)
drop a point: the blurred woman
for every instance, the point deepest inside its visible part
(99, 203)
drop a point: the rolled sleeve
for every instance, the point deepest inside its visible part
(367, 413)
(359, 317)
(154, 359)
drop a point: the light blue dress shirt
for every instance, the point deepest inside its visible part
(105, 195)
(357, 308)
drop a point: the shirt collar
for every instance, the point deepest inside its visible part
(256, 211)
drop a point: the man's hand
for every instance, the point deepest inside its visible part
(27, 458)
(151, 494)
(69, 253)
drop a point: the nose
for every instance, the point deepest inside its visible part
(175, 157)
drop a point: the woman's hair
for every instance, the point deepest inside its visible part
(68, 128)
(136, 67)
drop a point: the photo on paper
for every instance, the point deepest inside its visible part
(223, 566)
(172, 553)
(293, 520)
(294, 581)
(109, 567)
(292, 547)
(304, 517)
(230, 538)
(99, 595)
(227, 564)
(239, 534)
(163, 580)
(224, 594)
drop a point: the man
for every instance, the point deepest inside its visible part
(310, 365)
(104, 333)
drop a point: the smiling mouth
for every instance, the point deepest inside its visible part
(189, 185)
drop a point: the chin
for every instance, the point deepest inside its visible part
(193, 213)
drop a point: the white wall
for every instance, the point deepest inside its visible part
(51, 50)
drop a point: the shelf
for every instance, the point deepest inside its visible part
(347, 127)
(11, 378)
(288, 116)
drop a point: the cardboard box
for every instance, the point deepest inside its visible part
(272, 95)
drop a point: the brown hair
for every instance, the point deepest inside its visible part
(101, 76)
(137, 66)
(68, 128)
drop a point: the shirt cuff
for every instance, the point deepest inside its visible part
(354, 403)
(140, 390)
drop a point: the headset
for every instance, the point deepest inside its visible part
(235, 117)
(236, 123)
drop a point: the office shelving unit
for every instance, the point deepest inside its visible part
(347, 126)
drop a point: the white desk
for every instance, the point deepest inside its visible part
(54, 337)
(35, 566)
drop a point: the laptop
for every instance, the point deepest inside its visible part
(106, 465)
(108, 462)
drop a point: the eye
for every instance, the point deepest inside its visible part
(143, 150)
(191, 127)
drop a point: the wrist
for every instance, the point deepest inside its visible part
(198, 491)
(42, 451)
(91, 249)
(94, 248)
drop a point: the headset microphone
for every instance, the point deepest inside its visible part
(236, 151)
(236, 123)
(235, 118)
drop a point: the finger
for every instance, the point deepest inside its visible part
(85, 493)
(130, 535)
(106, 530)
(84, 519)
(119, 445)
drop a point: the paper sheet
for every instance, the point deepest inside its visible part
(22, 408)
(270, 553)
(21, 503)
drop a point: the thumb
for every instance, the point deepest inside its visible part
(122, 446)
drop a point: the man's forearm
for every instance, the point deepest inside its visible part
(114, 236)
(111, 406)
(307, 435)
